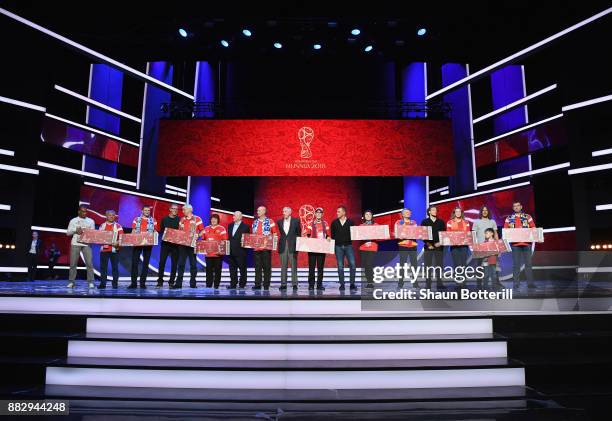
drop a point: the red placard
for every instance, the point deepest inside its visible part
(523, 235)
(180, 237)
(259, 242)
(489, 248)
(457, 238)
(213, 247)
(305, 147)
(370, 232)
(140, 239)
(90, 236)
(315, 245)
(412, 232)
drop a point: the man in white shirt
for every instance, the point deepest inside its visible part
(75, 229)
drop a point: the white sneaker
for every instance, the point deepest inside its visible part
(70, 285)
(92, 285)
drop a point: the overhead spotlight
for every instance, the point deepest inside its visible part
(421, 32)
(592, 246)
(605, 246)
(246, 33)
(355, 32)
(224, 43)
(368, 49)
(183, 32)
(278, 45)
(12, 246)
(317, 46)
(597, 246)
(1, 246)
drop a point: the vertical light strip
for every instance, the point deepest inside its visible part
(142, 125)
(525, 95)
(427, 190)
(469, 90)
(425, 85)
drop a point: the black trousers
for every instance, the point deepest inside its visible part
(167, 249)
(406, 254)
(433, 259)
(213, 271)
(52, 263)
(367, 264)
(237, 263)
(31, 262)
(263, 268)
(315, 260)
(184, 253)
(114, 260)
(146, 256)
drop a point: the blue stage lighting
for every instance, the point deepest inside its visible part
(247, 33)
(278, 45)
(368, 49)
(355, 32)
(317, 46)
(421, 32)
(182, 32)
(224, 43)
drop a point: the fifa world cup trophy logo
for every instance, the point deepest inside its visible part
(306, 136)
(306, 216)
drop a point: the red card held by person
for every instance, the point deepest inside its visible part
(370, 232)
(315, 245)
(180, 237)
(91, 236)
(259, 241)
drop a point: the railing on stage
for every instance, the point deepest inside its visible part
(327, 109)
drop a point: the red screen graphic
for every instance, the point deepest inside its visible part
(499, 204)
(297, 192)
(305, 148)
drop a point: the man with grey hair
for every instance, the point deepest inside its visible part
(289, 229)
(75, 229)
(195, 227)
(262, 225)
(237, 257)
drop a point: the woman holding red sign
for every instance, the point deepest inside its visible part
(214, 232)
(368, 250)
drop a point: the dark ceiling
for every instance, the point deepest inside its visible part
(470, 31)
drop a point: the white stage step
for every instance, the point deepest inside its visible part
(288, 327)
(286, 350)
(281, 379)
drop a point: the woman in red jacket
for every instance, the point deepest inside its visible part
(368, 250)
(213, 262)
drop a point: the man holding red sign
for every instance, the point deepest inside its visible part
(407, 247)
(521, 252)
(109, 252)
(143, 223)
(263, 257)
(318, 228)
(195, 227)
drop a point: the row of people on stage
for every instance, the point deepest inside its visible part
(287, 229)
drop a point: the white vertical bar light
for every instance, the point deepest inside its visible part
(469, 90)
(142, 124)
(480, 73)
(95, 54)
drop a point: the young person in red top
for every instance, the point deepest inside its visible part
(489, 263)
(368, 251)
(195, 227)
(143, 223)
(318, 228)
(263, 258)
(213, 262)
(108, 252)
(407, 248)
(521, 252)
(457, 222)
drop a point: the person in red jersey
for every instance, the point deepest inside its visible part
(407, 248)
(195, 227)
(521, 252)
(457, 222)
(109, 252)
(217, 232)
(263, 258)
(318, 228)
(143, 223)
(368, 250)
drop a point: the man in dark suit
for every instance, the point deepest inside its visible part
(289, 229)
(238, 254)
(32, 255)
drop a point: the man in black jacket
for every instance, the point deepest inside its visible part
(289, 231)
(32, 256)
(433, 249)
(341, 233)
(238, 254)
(170, 221)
